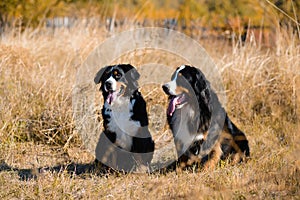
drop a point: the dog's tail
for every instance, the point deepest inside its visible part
(234, 140)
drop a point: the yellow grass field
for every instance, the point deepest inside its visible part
(42, 157)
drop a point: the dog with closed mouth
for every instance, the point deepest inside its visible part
(125, 119)
(202, 130)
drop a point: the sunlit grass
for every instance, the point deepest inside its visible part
(37, 74)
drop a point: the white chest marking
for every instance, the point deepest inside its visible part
(121, 123)
(199, 137)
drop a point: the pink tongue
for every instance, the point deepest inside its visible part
(111, 97)
(172, 106)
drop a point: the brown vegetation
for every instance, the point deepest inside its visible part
(43, 158)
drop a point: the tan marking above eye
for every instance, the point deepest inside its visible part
(115, 72)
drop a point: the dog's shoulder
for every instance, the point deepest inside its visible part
(139, 111)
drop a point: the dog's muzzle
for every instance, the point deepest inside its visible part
(108, 85)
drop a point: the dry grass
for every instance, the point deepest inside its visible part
(41, 158)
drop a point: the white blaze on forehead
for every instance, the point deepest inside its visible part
(177, 72)
(113, 83)
(172, 84)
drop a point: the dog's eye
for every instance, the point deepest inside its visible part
(117, 74)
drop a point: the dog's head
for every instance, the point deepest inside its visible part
(187, 85)
(117, 80)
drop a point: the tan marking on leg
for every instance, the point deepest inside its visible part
(239, 155)
(213, 157)
(239, 138)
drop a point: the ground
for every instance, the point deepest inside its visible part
(44, 157)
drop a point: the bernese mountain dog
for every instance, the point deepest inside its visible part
(126, 141)
(202, 130)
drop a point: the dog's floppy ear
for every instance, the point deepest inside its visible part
(130, 71)
(99, 75)
(202, 86)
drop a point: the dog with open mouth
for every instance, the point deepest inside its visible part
(201, 128)
(125, 118)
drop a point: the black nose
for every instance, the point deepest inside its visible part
(108, 85)
(166, 88)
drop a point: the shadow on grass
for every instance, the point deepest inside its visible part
(74, 169)
(82, 170)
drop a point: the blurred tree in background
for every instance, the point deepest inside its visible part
(212, 13)
(32, 12)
